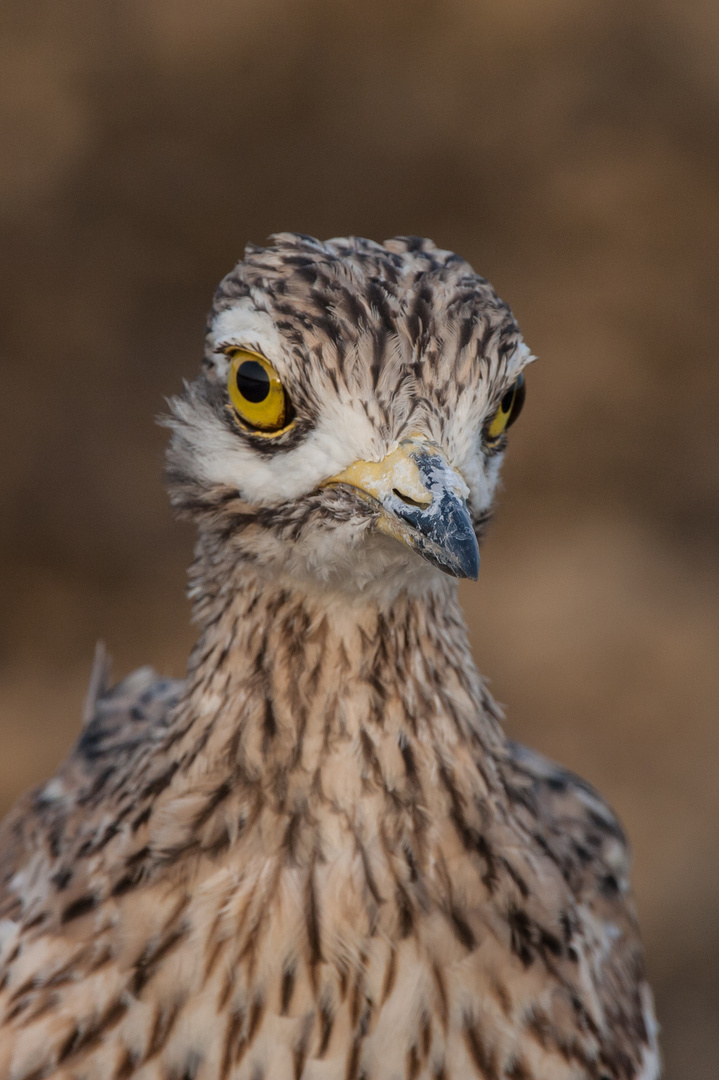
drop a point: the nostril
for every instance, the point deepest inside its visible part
(408, 500)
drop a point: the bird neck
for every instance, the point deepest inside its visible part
(298, 689)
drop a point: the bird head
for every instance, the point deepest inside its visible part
(350, 419)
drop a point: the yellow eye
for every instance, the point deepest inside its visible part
(509, 409)
(256, 392)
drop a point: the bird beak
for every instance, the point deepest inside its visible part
(423, 504)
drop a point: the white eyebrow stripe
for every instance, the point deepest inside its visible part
(245, 324)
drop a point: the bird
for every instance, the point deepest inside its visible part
(319, 856)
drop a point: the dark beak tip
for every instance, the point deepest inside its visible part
(467, 556)
(452, 547)
(458, 540)
(443, 533)
(472, 573)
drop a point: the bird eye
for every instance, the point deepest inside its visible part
(256, 392)
(509, 409)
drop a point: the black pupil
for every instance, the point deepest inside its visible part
(253, 382)
(506, 402)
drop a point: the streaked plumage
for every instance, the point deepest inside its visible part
(319, 856)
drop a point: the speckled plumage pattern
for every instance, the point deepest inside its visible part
(318, 856)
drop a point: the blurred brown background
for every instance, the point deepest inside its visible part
(569, 149)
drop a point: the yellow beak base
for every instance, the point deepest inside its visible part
(423, 504)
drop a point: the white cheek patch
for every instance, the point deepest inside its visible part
(343, 435)
(463, 447)
(482, 477)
